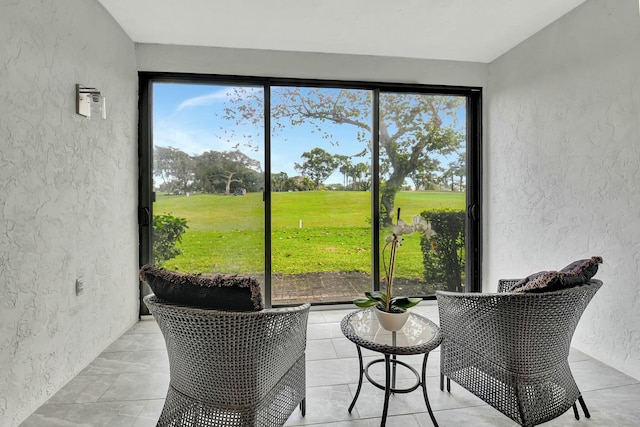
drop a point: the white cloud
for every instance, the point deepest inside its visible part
(204, 100)
(219, 95)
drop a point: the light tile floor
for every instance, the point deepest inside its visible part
(126, 384)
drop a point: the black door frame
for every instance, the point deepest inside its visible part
(146, 196)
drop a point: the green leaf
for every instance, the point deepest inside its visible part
(365, 302)
(405, 302)
(377, 295)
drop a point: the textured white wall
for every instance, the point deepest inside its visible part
(562, 164)
(247, 62)
(68, 190)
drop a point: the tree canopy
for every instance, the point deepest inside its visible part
(173, 166)
(318, 165)
(414, 128)
(209, 172)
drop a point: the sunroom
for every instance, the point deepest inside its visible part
(559, 166)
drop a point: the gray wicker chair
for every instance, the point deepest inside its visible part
(232, 368)
(511, 349)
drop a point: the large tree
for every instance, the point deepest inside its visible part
(427, 176)
(216, 171)
(412, 131)
(238, 167)
(318, 165)
(360, 174)
(460, 170)
(413, 127)
(345, 167)
(279, 181)
(174, 166)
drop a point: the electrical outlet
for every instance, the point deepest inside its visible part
(79, 286)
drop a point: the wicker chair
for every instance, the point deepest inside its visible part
(511, 349)
(232, 368)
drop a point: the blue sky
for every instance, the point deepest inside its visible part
(189, 117)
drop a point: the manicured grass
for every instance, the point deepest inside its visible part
(215, 212)
(226, 232)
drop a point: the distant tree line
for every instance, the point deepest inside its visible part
(209, 172)
(229, 171)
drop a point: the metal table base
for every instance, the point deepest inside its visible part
(390, 363)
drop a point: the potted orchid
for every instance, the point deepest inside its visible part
(385, 304)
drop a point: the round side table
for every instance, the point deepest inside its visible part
(418, 336)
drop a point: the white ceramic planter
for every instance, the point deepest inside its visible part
(391, 321)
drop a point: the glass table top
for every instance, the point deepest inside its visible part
(418, 335)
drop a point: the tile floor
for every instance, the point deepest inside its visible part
(126, 384)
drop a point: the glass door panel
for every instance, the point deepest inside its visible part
(208, 179)
(422, 156)
(321, 235)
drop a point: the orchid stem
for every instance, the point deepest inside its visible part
(392, 263)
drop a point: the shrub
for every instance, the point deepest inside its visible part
(444, 253)
(167, 231)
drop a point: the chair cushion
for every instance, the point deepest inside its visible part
(219, 292)
(584, 269)
(538, 282)
(574, 274)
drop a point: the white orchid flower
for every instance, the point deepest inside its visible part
(402, 228)
(398, 228)
(408, 229)
(394, 240)
(421, 225)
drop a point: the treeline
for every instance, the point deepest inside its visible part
(229, 172)
(210, 172)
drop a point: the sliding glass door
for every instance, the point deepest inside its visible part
(422, 173)
(321, 202)
(299, 183)
(208, 181)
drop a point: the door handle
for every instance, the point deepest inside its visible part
(144, 216)
(472, 212)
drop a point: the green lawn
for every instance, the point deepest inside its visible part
(226, 232)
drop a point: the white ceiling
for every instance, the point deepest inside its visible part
(463, 30)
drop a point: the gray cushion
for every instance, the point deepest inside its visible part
(219, 292)
(538, 282)
(583, 269)
(574, 274)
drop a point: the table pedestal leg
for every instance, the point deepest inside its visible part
(387, 388)
(359, 379)
(424, 390)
